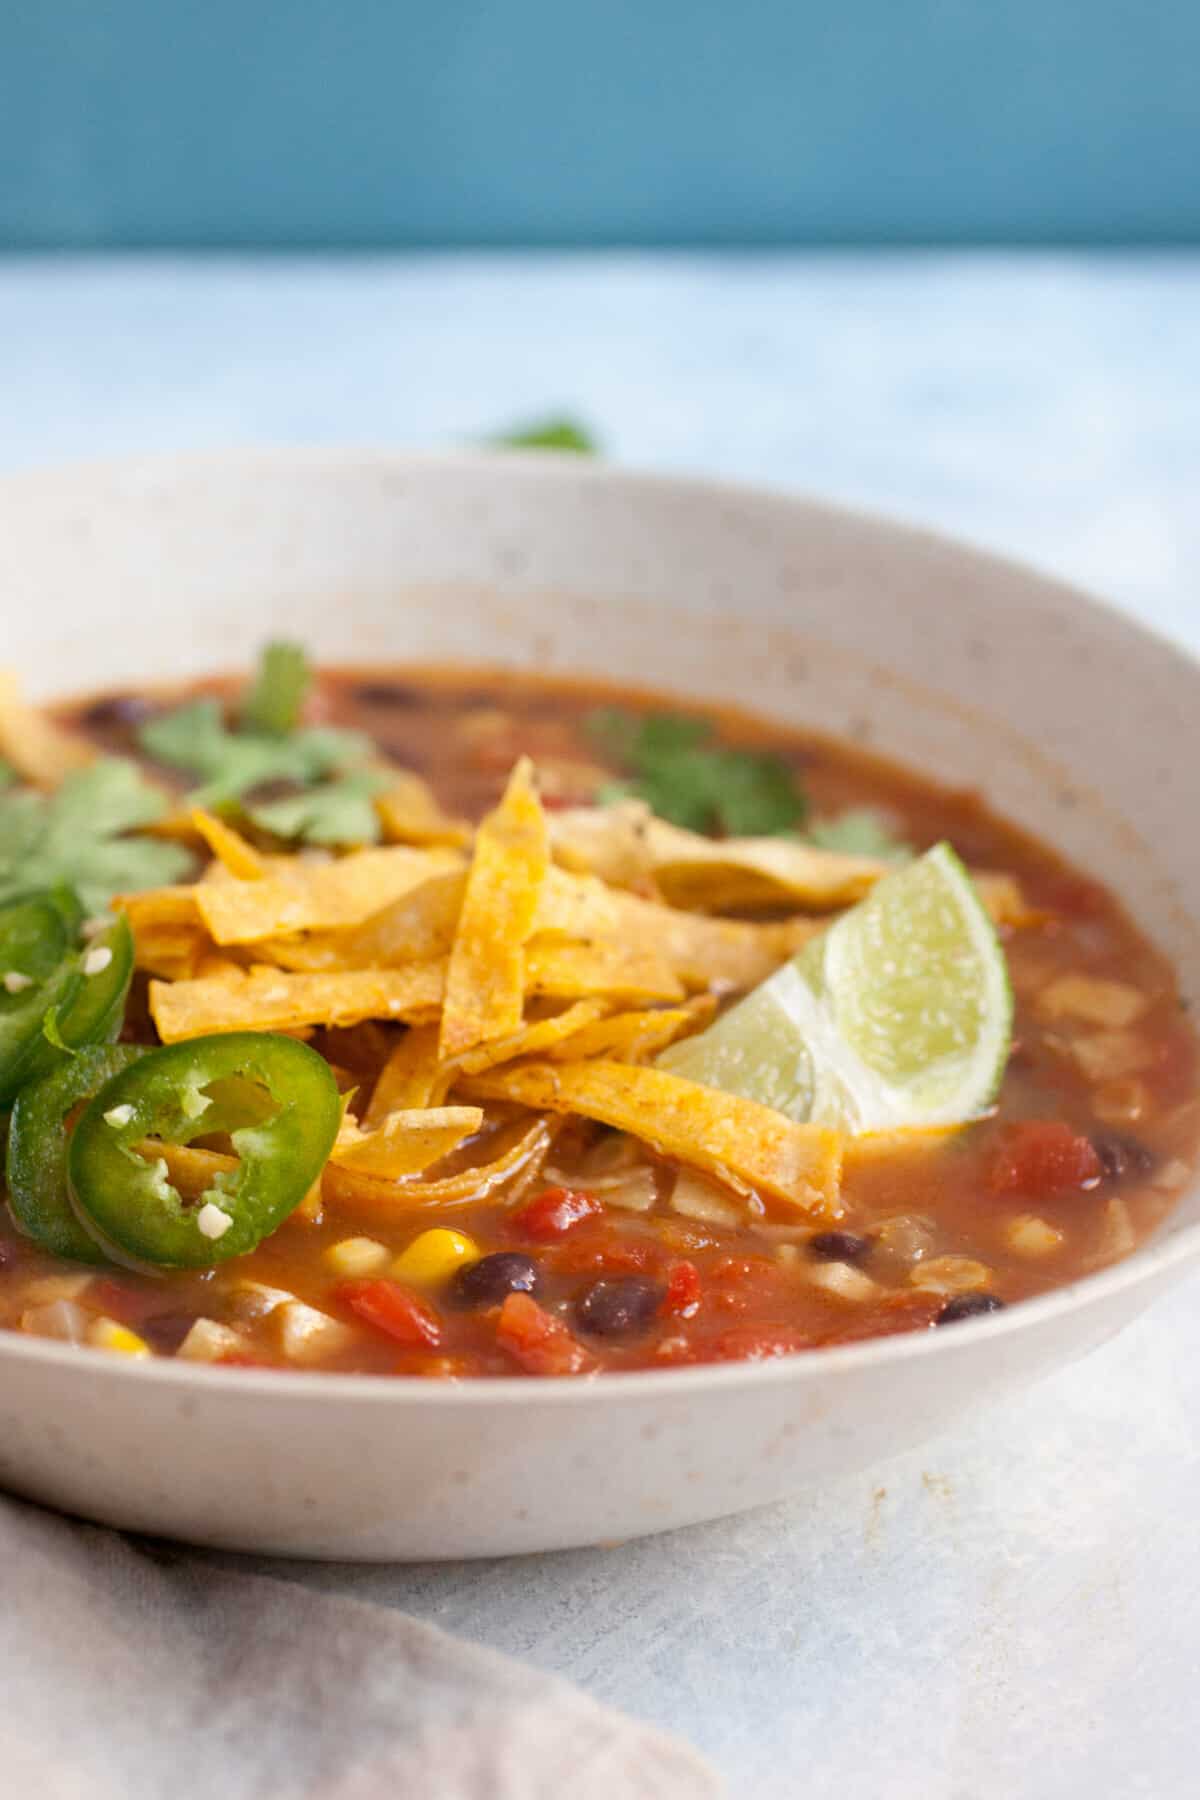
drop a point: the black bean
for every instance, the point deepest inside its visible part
(165, 1331)
(488, 1281)
(839, 1246)
(118, 712)
(1121, 1157)
(389, 693)
(967, 1306)
(619, 1308)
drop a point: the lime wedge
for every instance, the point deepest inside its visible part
(898, 1015)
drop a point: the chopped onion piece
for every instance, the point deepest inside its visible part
(843, 1281)
(308, 1336)
(208, 1341)
(62, 1319)
(907, 1239)
(696, 1198)
(635, 1192)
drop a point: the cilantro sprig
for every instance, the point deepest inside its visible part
(859, 831)
(676, 765)
(195, 737)
(328, 768)
(79, 836)
(557, 433)
(275, 699)
(335, 812)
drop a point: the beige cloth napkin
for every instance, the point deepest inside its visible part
(129, 1673)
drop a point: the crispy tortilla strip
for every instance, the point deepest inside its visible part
(519, 1164)
(1005, 903)
(160, 906)
(406, 1142)
(39, 750)
(739, 1141)
(270, 1000)
(485, 984)
(627, 846)
(176, 824)
(419, 925)
(213, 966)
(414, 928)
(168, 936)
(728, 955)
(410, 814)
(635, 1036)
(619, 972)
(745, 874)
(307, 895)
(432, 1079)
(168, 906)
(409, 1077)
(607, 841)
(173, 952)
(532, 1040)
(190, 1170)
(229, 847)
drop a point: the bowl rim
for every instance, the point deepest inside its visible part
(1156, 1260)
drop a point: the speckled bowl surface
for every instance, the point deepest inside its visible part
(1073, 721)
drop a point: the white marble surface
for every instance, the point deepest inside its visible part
(1016, 1611)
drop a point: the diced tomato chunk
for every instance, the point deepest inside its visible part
(1038, 1158)
(390, 1307)
(553, 1213)
(542, 1344)
(683, 1289)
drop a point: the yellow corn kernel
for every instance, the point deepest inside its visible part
(356, 1256)
(433, 1257)
(1028, 1235)
(106, 1334)
(950, 1275)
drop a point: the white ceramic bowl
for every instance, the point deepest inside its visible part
(1068, 718)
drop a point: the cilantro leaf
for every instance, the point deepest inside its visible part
(277, 694)
(861, 831)
(687, 778)
(558, 433)
(335, 812)
(195, 737)
(76, 836)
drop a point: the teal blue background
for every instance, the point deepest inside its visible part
(381, 122)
